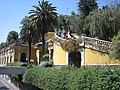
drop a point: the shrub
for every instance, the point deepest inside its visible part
(71, 78)
(45, 57)
(47, 62)
(115, 53)
(17, 64)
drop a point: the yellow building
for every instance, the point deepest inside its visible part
(16, 52)
(56, 52)
(87, 54)
(91, 52)
(93, 57)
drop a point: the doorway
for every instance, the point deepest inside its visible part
(75, 58)
(23, 57)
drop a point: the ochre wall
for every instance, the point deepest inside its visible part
(95, 57)
(21, 50)
(33, 55)
(59, 55)
(25, 50)
(15, 55)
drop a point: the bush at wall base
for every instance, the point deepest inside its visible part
(71, 78)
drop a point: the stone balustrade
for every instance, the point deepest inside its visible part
(93, 43)
(101, 45)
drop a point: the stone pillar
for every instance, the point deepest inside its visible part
(82, 56)
(8, 56)
(0, 58)
(82, 50)
(38, 57)
(67, 57)
(49, 54)
(18, 53)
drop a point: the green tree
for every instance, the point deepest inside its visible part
(115, 53)
(72, 23)
(62, 22)
(3, 44)
(27, 34)
(12, 36)
(76, 23)
(45, 18)
(103, 23)
(86, 6)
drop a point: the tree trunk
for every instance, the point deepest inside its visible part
(43, 34)
(29, 51)
(43, 44)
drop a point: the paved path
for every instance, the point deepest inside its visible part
(5, 85)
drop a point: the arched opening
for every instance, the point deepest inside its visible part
(23, 57)
(75, 58)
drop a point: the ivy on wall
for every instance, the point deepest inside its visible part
(69, 45)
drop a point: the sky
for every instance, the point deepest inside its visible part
(13, 11)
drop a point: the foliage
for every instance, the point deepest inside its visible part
(75, 23)
(69, 44)
(57, 77)
(103, 23)
(12, 36)
(70, 78)
(115, 53)
(28, 34)
(44, 16)
(116, 37)
(47, 62)
(72, 23)
(45, 57)
(3, 44)
(86, 6)
(62, 22)
(17, 64)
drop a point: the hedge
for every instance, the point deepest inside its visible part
(17, 64)
(70, 78)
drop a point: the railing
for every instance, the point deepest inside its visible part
(97, 44)
(59, 38)
(6, 77)
(93, 43)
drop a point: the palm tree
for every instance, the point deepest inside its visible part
(27, 34)
(45, 19)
